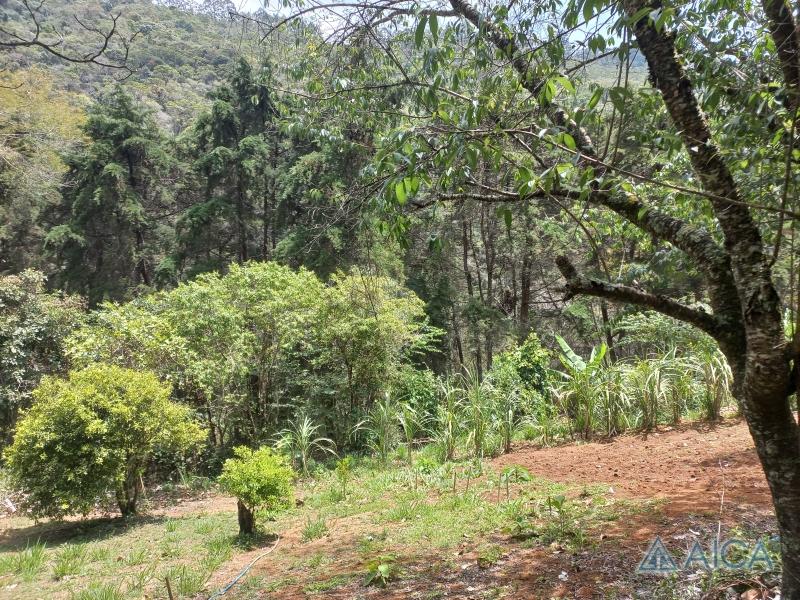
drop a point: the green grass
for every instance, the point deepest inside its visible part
(315, 528)
(70, 560)
(99, 591)
(27, 564)
(326, 585)
(110, 559)
(407, 513)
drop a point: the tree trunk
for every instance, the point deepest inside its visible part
(525, 296)
(128, 492)
(778, 447)
(241, 227)
(247, 520)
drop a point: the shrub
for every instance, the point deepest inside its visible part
(260, 480)
(447, 423)
(33, 326)
(300, 440)
(416, 388)
(344, 472)
(529, 363)
(381, 427)
(92, 434)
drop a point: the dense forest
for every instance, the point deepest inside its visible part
(245, 246)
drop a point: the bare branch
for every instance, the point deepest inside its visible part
(99, 55)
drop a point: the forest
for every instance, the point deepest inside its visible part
(399, 299)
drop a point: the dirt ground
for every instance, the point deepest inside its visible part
(689, 467)
(703, 477)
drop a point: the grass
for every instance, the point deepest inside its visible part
(489, 554)
(99, 591)
(315, 528)
(27, 563)
(114, 559)
(70, 560)
(403, 512)
(326, 585)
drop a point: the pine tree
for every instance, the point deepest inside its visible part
(105, 235)
(234, 148)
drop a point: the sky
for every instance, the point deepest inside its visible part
(248, 5)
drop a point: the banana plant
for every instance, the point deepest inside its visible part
(580, 392)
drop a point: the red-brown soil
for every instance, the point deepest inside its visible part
(689, 467)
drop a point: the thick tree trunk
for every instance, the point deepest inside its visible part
(775, 434)
(247, 520)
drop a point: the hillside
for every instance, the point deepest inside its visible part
(176, 58)
(427, 298)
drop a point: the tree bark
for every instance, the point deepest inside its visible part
(128, 491)
(247, 520)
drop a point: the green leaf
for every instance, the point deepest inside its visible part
(434, 24)
(569, 358)
(598, 93)
(400, 192)
(420, 33)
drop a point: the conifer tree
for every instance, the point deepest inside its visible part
(106, 235)
(234, 148)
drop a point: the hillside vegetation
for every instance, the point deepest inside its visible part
(352, 267)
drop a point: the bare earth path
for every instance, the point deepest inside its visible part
(686, 469)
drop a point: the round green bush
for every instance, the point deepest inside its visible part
(92, 434)
(260, 480)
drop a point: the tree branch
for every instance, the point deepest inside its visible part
(580, 285)
(98, 55)
(696, 242)
(787, 43)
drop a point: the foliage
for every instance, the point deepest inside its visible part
(105, 237)
(39, 121)
(579, 391)
(417, 388)
(256, 347)
(314, 528)
(300, 441)
(33, 326)
(447, 423)
(91, 434)
(411, 425)
(478, 413)
(344, 473)
(530, 362)
(381, 570)
(381, 428)
(259, 479)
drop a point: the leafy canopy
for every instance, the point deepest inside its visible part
(91, 434)
(260, 479)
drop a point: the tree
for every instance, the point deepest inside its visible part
(260, 480)
(39, 123)
(94, 433)
(34, 325)
(234, 150)
(715, 129)
(105, 236)
(110, 48)
(253, 348)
